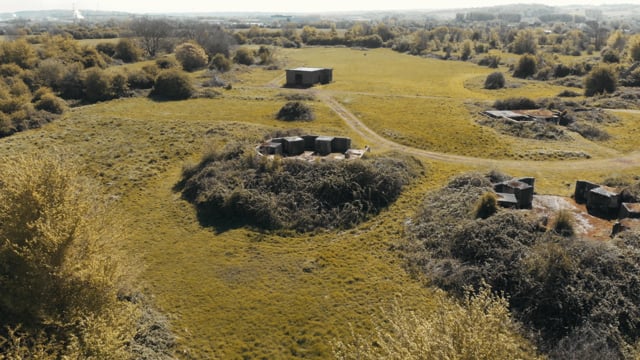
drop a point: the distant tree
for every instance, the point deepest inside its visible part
(617, 40)
(494, 81)
(601, 79)
(634, 48)
(213, 38)
(151, 31)
(526, 67)
(127, 50)
(524, 42)
(467, 47)
(192, 56)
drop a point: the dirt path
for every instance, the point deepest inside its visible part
(628, 161)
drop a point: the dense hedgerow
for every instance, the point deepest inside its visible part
(237, 188)
(579, 296)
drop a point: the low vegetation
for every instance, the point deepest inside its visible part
(573, 293)
(234, 187)
(65, 293)
(479, 327)
(295, 110)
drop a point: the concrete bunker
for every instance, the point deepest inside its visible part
(308, 76)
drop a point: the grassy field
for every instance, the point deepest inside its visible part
(246, 294)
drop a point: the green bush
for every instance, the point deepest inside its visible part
(107, 48)
(295, 110)
(127, 50)
(173, 85)
(486, 206)
(602, 79)
(45, 100)
(559, 288)
(494, 81)
(97, 85)
(244, 56)
(220, 63)
(515, 103)
(526, 67)
(231, 188)
(192, 56)
(140, 79)
(564, 223)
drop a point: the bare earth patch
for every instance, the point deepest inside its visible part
(585, 224)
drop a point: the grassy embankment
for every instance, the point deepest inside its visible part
(243, 293)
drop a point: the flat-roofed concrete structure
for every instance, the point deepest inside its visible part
(323, 145)
(308, 76)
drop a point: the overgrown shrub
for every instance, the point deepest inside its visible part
(564, 223)
(492, 61)
(192, 56)
(295, 110)
(45, 100)
(559, 288)
(127, 50)
(515, 103)
(479, 327)
(494, 81)
(526, 67)
(166, 63)
(600, 80)
(173, 85)
(231, 188)
(244, 56)
(140, 79)
(220, 63)
(64, 290)
(107, 48)
(97, 85)
(486, 206)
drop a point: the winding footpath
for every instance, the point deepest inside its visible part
(627, 161)
(631, 160)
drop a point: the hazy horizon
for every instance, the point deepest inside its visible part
(284, 6)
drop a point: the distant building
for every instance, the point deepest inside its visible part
(306, 76)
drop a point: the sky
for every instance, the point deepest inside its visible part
(158, 6)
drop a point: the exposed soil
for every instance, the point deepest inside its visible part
(586, 225)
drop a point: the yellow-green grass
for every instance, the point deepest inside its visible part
(241, 293)
(626, 132)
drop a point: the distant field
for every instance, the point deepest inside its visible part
(246, 294)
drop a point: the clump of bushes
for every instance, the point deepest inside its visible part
(576, 295)
(244, 56)
(602, 79)
(494, 81)
(192, 56)
(295, 110)
(220, 63)
(234, 188)
(515, 103)
(526, 67)
(173, 85)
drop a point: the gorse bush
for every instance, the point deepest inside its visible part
(173, 85)
(561, 288)
(56, 277)
(602, 79)
(63, 283)
(494, 81)
(234, 188)
(526, 67)
(192, 56)
(295, 110)
(515, 103)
